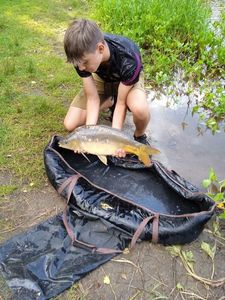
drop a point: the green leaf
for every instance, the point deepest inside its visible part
(222, 216)
(218, 197)
(189, 259)
(174, 250)
(206, 183)
(190, 256)
(179, 287)
(212, 175)
(210, 251)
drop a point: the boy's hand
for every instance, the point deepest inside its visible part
(120, 153)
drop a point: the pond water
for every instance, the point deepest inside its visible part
(186, 145)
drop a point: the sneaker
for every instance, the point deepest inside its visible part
(142, 139)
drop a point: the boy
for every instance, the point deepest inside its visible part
(109, 65)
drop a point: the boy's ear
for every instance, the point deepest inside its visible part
(100, 47)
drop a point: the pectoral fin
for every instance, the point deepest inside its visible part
(103, 159)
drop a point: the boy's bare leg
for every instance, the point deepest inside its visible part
(138, 105)
(75, 117)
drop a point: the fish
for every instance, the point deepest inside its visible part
(102, 140)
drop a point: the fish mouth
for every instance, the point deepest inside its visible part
(61, 142)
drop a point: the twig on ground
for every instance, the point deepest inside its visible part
(114, 294)
(132, 277)
(124, 260)
(135, 295)
(193, 295)
(24, 223)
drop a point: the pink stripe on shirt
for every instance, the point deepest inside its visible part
(136, 72)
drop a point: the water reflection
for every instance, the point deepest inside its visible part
(186, 146)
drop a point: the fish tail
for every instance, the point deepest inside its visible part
(143, 156)
(145, 152)
(149, 150)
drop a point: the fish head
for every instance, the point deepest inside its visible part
(68, 144)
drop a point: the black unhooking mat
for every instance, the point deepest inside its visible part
(109, 208)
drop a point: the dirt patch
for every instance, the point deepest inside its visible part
(24, 208)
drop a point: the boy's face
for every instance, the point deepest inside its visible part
(91, 61)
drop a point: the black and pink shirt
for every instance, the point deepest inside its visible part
(124, 64)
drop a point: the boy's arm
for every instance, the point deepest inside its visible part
(120, 109)
(93, 101)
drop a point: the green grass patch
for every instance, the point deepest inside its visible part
(36, 83)
(169, 32)
(7, 190)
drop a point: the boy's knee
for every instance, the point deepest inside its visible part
(75, 117)
(141, 113)
(68, 125)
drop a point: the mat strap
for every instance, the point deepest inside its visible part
(76, 242)
(141, 227)
(70, 182)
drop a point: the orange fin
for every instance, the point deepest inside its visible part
(144, 157)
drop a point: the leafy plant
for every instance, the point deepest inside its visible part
(212, 107)
(188, 261)
(216, 189)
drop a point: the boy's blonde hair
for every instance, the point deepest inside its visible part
(82, 36)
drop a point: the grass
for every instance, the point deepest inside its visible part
(6, 190)
(76, 292)
(36, 85)
(170, 33)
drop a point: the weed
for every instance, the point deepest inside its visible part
(8, 67)
(216, 189)
(31, 68)
(7, 189)
(168, 31)
(188, 261)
